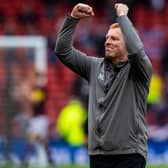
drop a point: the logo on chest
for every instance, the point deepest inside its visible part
(101, 75)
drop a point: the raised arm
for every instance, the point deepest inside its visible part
(140, 63)
(72, 58)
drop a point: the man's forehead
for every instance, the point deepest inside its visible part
(114, 31)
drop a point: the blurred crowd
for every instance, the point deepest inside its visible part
(60, 102)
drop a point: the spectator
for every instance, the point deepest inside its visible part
(34, 92)
(71, 121)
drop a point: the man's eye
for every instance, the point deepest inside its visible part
(113, 38)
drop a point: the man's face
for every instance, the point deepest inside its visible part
(114, 44)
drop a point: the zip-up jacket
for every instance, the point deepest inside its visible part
(117, 93)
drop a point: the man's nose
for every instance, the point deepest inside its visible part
(107, 42)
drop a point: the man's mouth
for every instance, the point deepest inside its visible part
(109, 49)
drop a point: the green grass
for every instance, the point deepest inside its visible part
(161, 166)
(70, 166)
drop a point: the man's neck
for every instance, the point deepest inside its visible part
(119, 60)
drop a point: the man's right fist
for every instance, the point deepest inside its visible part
(81, 11)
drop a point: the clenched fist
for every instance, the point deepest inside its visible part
(81, 11)
(121, 9)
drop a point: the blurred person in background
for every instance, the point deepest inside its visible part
(119, 85)
(34, 93)
(158, 129)
(164, 67)
(71, 121)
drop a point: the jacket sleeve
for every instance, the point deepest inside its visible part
(140, 63)
(71, 57)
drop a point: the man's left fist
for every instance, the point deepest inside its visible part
(121, 9)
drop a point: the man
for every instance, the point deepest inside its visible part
(119, 85)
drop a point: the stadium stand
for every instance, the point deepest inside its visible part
(29, 17)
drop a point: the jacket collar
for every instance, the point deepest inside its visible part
(110, 65)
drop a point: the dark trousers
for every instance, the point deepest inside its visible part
(117, 161)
